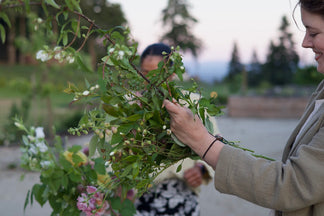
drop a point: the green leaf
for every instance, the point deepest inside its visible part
(65, 38)
(76, 159)
(128, 208)
(134, 117)
(116, 138)
(3, 34)
(93, 145)
(26, 200)
(177, 141)
(116, 203)
(75, 148)
(76, 6)
(27, 6)
(38, 191)
(5, 19)
(81, 64)
(100, 166)
(52, 3)
(65, 181)
(179, 168)
(75, 177)
(112, 110)
(209, 125)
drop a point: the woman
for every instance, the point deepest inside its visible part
(293, 186)
(174, 193)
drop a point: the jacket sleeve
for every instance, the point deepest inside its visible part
(286, 186)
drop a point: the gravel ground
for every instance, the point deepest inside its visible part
(265, 136)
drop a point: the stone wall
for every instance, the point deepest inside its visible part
(266, 107)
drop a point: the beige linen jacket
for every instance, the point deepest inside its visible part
(293, 186)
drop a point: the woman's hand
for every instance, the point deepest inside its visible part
(186, 127)
(190, 130)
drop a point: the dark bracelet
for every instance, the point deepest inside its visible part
(219, 138)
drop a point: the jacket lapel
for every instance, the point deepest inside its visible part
(292, 143)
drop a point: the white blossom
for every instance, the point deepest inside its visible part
(42, 147)
(70, 59)
(112, 153)
(32, 150)
(164, 127)
(111, 50)
(169, 132)
(40, 132)
(57, 48)
(58, 56)
(31, 138)
(121, 54)
(39, 20)
(85, 93)
(42, 55)
(20, 126)
(45, 164)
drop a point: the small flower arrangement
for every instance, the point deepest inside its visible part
(69, 180)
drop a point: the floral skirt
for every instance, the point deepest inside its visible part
(171, 197)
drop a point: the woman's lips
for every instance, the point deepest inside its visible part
(317, 55)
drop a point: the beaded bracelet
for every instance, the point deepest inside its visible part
(219, 138)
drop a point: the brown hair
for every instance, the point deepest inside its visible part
(313, 6)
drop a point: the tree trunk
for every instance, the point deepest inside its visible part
(11, 47)
(22, 33)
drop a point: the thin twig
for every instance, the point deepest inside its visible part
(75, 35)
(86, 38)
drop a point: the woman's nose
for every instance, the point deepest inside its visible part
(307, 43)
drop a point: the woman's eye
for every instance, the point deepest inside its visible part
(313, 34)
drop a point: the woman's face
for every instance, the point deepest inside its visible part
(314, 36)
(150, 62)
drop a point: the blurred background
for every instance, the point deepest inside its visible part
(248, 54)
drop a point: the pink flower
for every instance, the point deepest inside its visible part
(91, 189)
(92, 202)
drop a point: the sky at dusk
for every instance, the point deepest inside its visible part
(251, 23)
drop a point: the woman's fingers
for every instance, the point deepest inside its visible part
(172, 107)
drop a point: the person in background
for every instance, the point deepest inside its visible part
(293, 186)
(173, 193)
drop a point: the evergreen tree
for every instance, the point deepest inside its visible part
(282, 59)
(235, 66)
(254, 70)
(178, 21)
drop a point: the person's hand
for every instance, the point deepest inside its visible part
(193, 176)
(190, 130)
(187, 128)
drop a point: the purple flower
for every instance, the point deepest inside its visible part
(92, 202)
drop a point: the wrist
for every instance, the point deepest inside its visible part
(204, 144)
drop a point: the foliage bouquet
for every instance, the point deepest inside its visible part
(131, 143)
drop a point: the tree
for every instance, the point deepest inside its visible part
(282, 59)
(308, 76)
(178, 21)
(254, 70)
(235, 66)
(107, 16)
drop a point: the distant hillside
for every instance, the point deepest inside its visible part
(208, 71)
